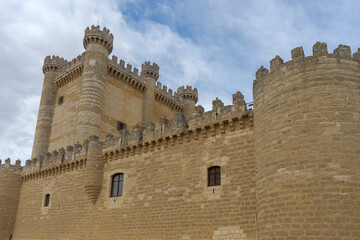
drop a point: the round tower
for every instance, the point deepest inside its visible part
(307, 135)
(10, 186)
(150, 74)
(98, 45)
(51, 67)
(190, 98)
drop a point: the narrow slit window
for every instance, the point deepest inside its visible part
(117, 182)
(120, 125)
(60, 100)
(214, 176)
(47, 200)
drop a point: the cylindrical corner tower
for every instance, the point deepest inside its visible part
(10, 186)
(98, 45)
(307, 141)
(190, 98)
(51, 67)
(150, 74)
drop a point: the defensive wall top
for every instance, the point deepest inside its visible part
(298, 56)
(7, 165)
(139, 137)
(95, 35)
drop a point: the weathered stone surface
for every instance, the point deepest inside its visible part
(289, 168)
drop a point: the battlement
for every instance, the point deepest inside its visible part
(7, 165)
(95, 35)
(128, 74)
(56, 162)
(165, 132)
(53, 64)
(168, 97)
(188, 93)
(150, 70)
(125, 68)
(342, 52)
(70, 71)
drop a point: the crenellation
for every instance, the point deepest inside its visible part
(102, 37)
(276, 63)
(55, 159)
(297, 53)
(320, 49)
(7, 165)
(342, 51)
(356, 55)
(164, 154)
(261, 73)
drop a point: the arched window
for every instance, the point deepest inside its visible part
(214, 176)
(117, 185)
(47, 200)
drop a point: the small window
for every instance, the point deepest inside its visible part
(120, 125)
(117, 185)
(47, 200)
(214, 176)
(60, 100)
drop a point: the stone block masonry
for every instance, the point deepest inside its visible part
(288, 169)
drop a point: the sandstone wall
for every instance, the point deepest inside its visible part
(307, 135)
(165, 188)
(65, 115)
(10, 185)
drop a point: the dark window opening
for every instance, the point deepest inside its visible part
(60, 100)
(214, 176)
(117, 185)
(47, 200)
(120, 125)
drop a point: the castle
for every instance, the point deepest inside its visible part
(117, 155)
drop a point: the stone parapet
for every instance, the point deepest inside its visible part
(53, 64)
(102, 37)
(168, 133)
(56, 162)
(70, 71)
(7, 164)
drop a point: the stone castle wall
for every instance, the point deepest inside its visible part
(10, 185)
(165, 196)
(289, 168)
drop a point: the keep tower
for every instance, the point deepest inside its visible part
(98, 45)
(307, 134)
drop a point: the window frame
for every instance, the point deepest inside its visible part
(119, 181)
(47, 200)
(215, 173)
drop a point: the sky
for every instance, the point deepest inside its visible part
(213, 45)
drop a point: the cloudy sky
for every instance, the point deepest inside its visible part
(214, 45)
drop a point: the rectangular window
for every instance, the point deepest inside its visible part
(214, 176)
(120, 125)
(47, 200)
(60, 100)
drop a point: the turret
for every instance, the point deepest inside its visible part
(51, 68)
(98, 45)
(94, 169)
(150, 74)
(307, 188)
(190, 98)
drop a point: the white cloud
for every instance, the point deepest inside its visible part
(215, 46)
